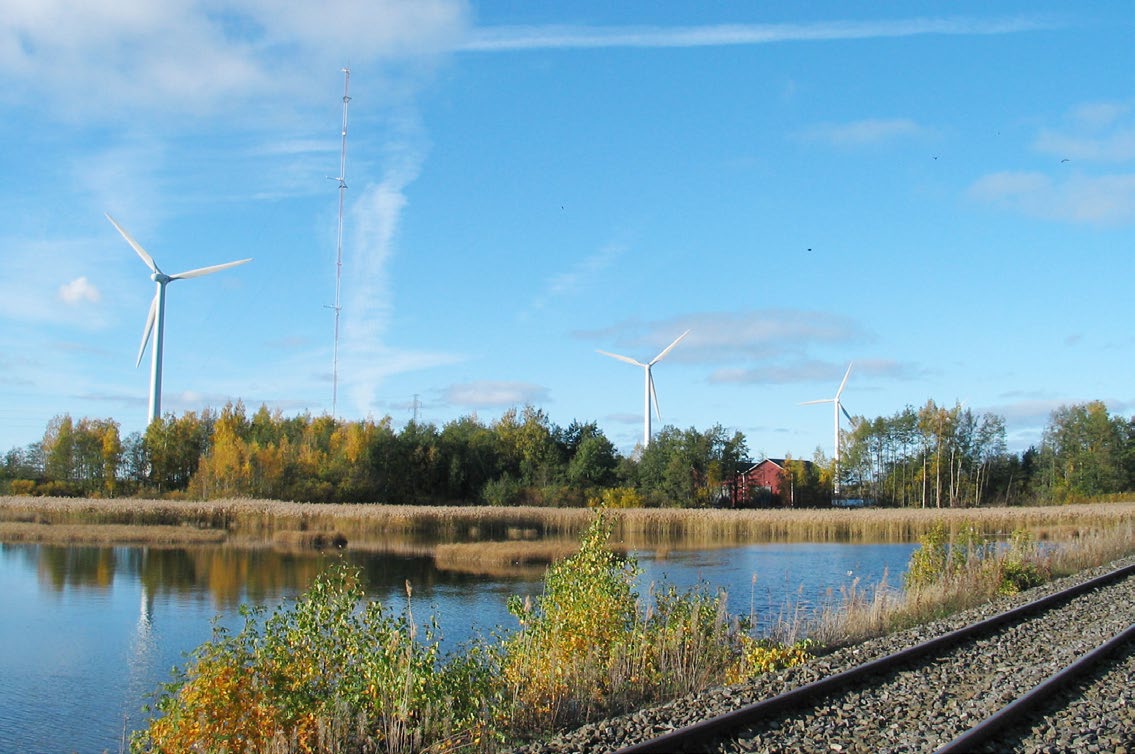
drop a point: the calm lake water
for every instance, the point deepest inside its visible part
(87, 634)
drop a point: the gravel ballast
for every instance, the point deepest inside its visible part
(922, 709)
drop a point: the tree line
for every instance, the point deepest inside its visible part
(938, 456)
(933, 456)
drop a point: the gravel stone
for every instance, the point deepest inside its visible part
(925, 707)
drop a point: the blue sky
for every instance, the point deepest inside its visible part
(941, 193)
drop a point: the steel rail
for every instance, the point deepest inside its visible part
(716, 727)
(1019, 708)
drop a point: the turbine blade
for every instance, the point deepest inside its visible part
(207, 270)
(627, 359)
(666, 350)
(654, 397)
(822, 400)
(850, 418)
(148, 328)
(845, 376)
(149, 260)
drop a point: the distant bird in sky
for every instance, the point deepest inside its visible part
(1065, 160)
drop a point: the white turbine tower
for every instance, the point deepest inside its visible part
(157, 314)
(650, 393)
(838, 407)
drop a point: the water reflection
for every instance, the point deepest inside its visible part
(229, 576)
(87, 634)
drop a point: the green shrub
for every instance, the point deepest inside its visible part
(555, 668)
(321, 674)
(331, 671)
(1020, 568)
(930, 561)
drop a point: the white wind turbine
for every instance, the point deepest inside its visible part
(650, 393)
(838, 407)
(157, 314)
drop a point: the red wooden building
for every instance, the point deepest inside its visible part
(759, 484)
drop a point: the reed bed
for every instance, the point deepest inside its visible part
(502, 558)
(251, 520)
(106, 534)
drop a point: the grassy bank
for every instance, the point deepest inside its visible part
(950, 573)
(325, 675)
(365, 526)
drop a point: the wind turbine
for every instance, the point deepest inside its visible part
(158, 311)
(838, 407)
(650, 394)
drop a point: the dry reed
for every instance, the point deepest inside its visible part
(106, 534)
(496, 558)
(862, 613)
(250, 520)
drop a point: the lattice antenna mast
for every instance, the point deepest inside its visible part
(338, 307)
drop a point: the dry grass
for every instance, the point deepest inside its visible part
(699, 528)
(862, 613)
(385, 528)
(106, 534)
(249, 520)
(502, 558)
(309, 540)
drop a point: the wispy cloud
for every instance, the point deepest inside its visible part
(365, 357)
(1093, 200)
(862, 132)
(108, 57)
(812, 370)
(1095, 132)
(494, 394)
(718, 337)
(508, 38)
(580, 276)
(1073, 190)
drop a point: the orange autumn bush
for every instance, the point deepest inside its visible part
(332, 672)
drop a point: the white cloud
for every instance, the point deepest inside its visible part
(1099, 114)
(373, 28)
(566, 37)
(195, 56)
(580, 276)
(1093, 200)
(494, 394)
(810, 370)
(365, 359)
(718, 337)
(1097, 132)
(78, 291)
(862, 132)
(30, 288)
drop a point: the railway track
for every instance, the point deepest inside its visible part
(989, 686)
